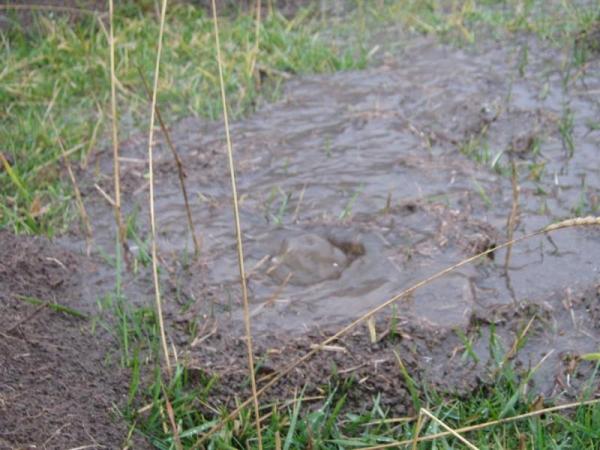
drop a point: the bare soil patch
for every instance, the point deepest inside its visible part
(57, 388)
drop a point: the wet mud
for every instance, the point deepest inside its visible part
(390, 175)
(357, 185)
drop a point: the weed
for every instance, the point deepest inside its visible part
(565, 128)
(482, 193)
(347, 211)
(467, 342)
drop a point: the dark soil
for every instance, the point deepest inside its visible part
(363, 369)
(57, 390)
(354, 366)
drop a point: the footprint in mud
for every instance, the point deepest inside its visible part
(309, 259)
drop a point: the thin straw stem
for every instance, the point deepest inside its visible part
(179, 165)
(161, 324)
(481, 426)
(238, 230)
(115, 137)
(85, 219)
(448, 429)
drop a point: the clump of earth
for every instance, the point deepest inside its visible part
(309, 259)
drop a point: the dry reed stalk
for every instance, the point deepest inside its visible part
(273, 298)
(256, 40)
(238, 230)
(297, 210)
(514, 213)
(106, 197)
(179, 165)
(515, 347)
(171, 415)
(161, 323)
(448, 429)
(85, 219)
(115, 138)
(481, 426)
(569, 223)
(418, 426)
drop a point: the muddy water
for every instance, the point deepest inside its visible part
(379, 168)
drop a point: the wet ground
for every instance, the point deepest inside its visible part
(356, 185)
(353, 187)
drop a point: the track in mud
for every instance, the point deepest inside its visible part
(391, 170)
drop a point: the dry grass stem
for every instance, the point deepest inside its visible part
(179, 165)
(106, 197)
(85, 219)
(173, 422)
(161, 323)
(53, 160)
(417, 433)
(448, 429)
(481, 426)
(297, 210)
(576, 222)
(515, 347)
(238, 230)
(92, 142)
(115, 138)
(35, 312)
(271, 301)
(256, 40)
(285, 404)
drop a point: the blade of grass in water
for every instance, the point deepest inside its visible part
(53, 306)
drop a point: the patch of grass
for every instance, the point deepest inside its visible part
(58, 69)
(467, 21)
(295, 424)
(565, 128)
(56, 307)
(327, 422)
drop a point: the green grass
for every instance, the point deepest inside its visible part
(300, 422)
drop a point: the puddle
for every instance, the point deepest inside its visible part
(389, 171)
